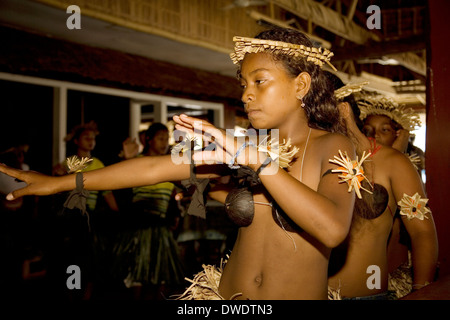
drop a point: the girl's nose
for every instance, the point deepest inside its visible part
(247, 96)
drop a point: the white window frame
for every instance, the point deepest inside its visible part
(137, 100)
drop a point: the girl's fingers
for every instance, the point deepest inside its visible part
(191, 133)
(10, 197)
(16, 194)
(191, 120)
(179, 120)
(196, 124)
(205, 131)
(15, 173)
(201, 130)
(37, 183)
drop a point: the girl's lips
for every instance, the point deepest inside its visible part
(252, 112)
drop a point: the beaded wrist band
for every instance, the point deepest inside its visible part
(284, 156)
(231, 164)
(264, 165)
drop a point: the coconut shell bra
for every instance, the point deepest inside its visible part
(239, 204)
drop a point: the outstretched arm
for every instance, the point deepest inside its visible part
(126, 174)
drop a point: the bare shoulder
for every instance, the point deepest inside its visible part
(394, 156)
(332, 145)
(333, 142)
(394, 161)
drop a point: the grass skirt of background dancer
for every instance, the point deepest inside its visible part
(148, 256)
(400, 280)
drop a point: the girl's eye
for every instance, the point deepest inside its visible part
(368, 131)
(260, 81)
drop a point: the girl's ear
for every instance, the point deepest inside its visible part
(344, 109)
(303, 83)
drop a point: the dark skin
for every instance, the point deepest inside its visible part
(86, 143)
(382, 129)
(367, 240)
(266, 262)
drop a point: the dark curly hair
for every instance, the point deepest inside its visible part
(76, 133)
(152, 131)
(371, 205)
(320, 104)
(337, 83)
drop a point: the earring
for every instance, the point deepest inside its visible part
(301, 99)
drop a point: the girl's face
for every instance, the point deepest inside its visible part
(86, 141)
(268, 91)
(160, 143)
(380, 127)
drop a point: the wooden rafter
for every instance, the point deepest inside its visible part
(380, 49)
(285, 24)
(328, 19)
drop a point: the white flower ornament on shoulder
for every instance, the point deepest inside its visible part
(414, 207)
(351, 171)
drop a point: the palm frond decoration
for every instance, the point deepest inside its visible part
(188, 143)
(76, 164)
(414, 207)
(281, 152)
(351, 171)
(205, 285)
(415, 160)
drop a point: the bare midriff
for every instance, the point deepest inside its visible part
(267, 263)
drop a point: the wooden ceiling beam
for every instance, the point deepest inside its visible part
(411, 61)
(380, 49)
(286, 24)
(328, 19)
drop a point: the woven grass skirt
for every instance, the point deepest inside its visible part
(148, 256)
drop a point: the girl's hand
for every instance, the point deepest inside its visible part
(401, 142)
(223, 145)
(130, 148)
(37, 183)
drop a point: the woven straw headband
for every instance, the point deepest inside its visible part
(348, 89)
(406, 117)
(243, 45)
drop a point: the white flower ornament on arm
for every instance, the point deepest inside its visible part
(414, 207)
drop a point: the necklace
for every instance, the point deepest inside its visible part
(303, 156)
(301, 178)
